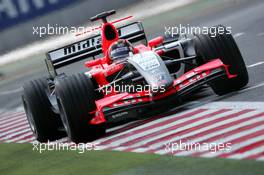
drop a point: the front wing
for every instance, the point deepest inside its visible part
(125, 106)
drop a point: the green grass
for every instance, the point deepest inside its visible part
(21, 159)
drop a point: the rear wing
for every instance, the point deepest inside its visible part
(90, 47)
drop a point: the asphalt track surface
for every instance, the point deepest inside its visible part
(236, 118)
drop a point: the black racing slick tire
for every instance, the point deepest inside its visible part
(223, 46)
(45, 124)
(76, 100)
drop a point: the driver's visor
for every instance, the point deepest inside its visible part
(120, 52)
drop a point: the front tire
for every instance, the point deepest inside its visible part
(45, 124)
(223, 46)
(76, 99)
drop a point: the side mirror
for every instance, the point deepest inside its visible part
(155, 42)
(92, 63)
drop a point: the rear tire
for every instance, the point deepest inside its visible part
(76, 99)
(44, 122)
(223, 46)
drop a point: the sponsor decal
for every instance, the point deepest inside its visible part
(115, 116)
(83, 45)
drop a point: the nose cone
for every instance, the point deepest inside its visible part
(153, 69)
(160, 81)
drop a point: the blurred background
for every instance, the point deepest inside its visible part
(19, 16)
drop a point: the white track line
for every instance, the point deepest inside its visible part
(252, 87)
(251, 152)
(146, 125)
(236, 35)
(25, 123)
(190, 126)
(256, 64)
(23, 133)
(260, 34)
(14, 132)
(134, 136)
(235, 147)
(180, 129)
(13, 123)
(157, 145)
(261, 158)
(19, 137)
(230, 137)
(29, 140)
(12, 116)
(232, 105)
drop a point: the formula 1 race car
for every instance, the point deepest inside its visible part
(129, 78)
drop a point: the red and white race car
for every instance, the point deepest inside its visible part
(128, 78)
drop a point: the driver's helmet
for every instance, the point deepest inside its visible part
(120, 49)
